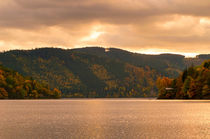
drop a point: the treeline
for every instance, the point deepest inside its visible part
(78, 74)
(95, 72)
(165, 64)
(15, 86)
(193, 83)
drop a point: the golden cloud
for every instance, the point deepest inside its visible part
(137, 25)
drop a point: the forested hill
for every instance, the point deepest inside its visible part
(79, 74)
(169, 65)
(193, 83)
(15, 86)
(165, 64)
(95, 72)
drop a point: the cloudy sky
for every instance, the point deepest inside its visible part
(145, 26)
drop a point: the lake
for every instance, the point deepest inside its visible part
(104, 119)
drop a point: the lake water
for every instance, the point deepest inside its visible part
(104, 119)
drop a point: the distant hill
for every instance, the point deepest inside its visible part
(15, 86)
(196, 61)
(166, 64)
(204, 56)
(169, 65)
(95, 71)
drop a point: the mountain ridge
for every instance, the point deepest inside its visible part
(95, 72)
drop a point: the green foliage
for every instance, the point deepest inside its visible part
(186, 86)
(193, 83)
(15, 86)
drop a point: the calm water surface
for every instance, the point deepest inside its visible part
(104, 119)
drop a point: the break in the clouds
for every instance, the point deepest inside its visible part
(148, 26)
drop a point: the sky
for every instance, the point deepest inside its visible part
(144, 26)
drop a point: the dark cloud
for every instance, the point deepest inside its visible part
(53, 12)
(175, 25)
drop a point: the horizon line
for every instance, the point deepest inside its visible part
(146, 52)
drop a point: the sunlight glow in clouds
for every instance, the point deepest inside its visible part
(1, 43)
(152, 26)
(95, 33)
(93, 36)
(205, 21)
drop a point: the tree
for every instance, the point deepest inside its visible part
(163, 84)
(206, 90)
(34, 94)
(192, 89)
(206, 64)
(15, 86)
(56, 93)
(186, 87)
(196, 84)
(3, 93)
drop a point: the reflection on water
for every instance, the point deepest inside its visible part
(104, 118)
